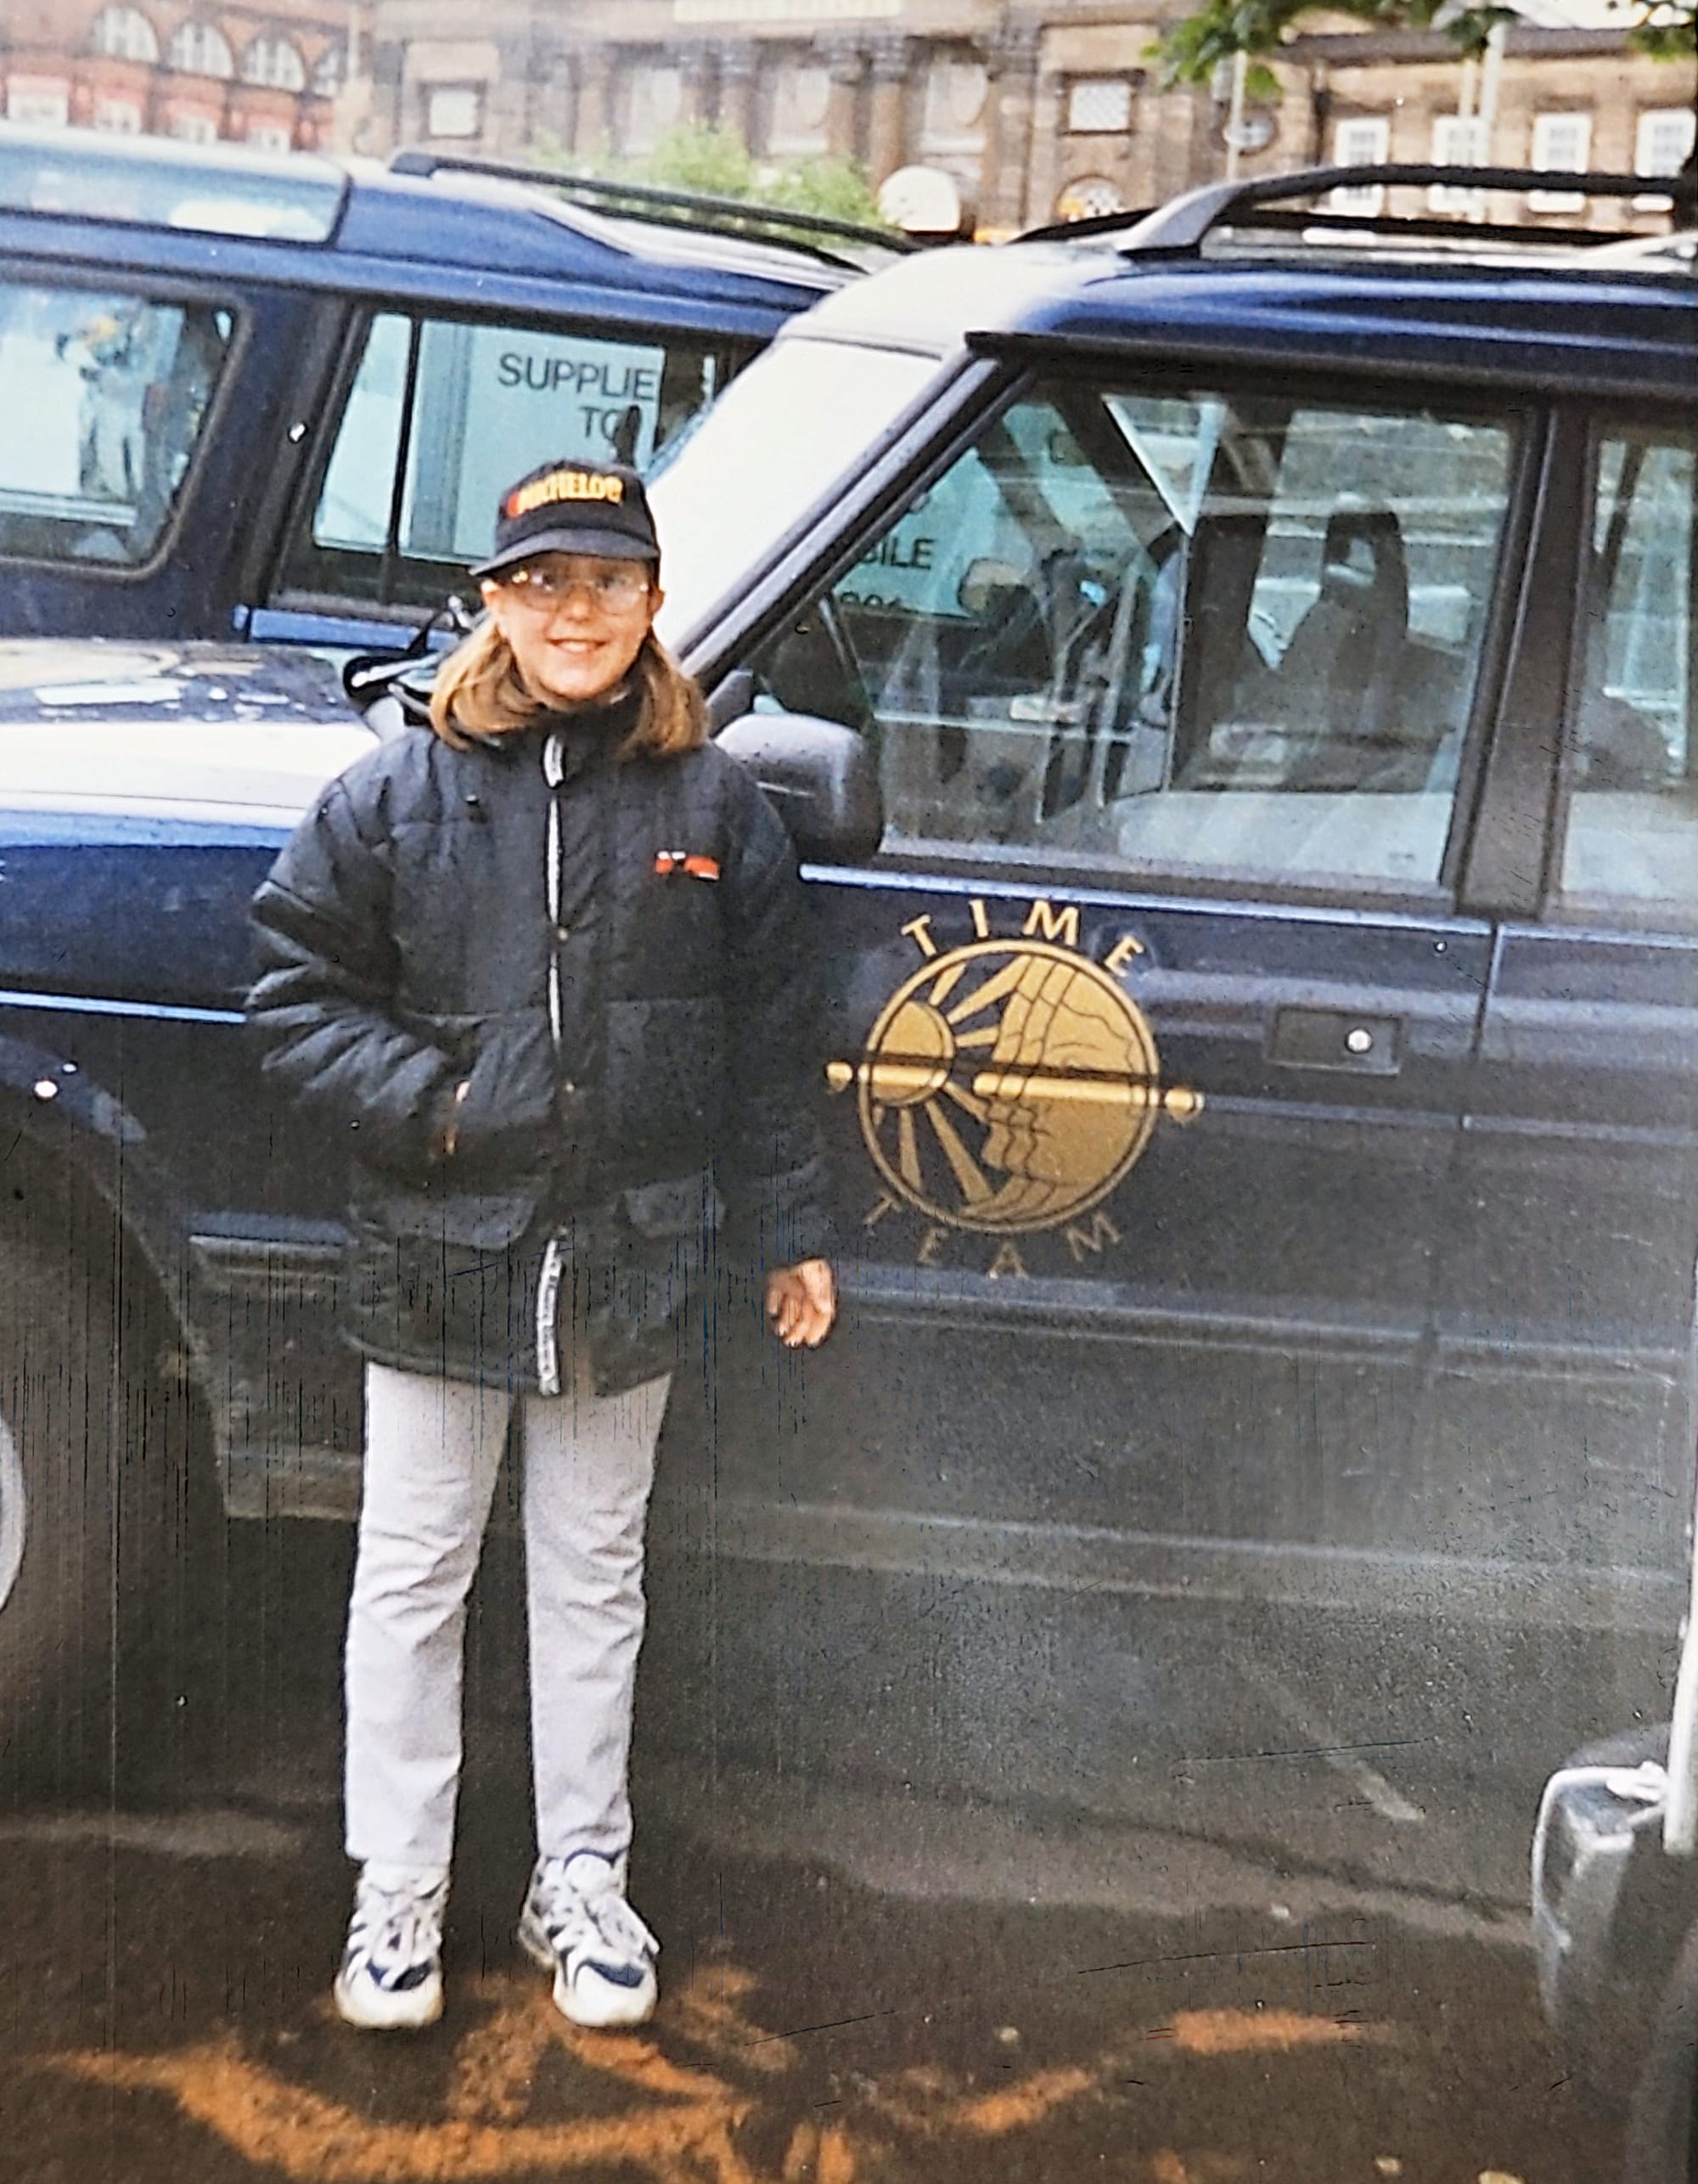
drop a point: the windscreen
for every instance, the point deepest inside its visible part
(163, 184)
(800, 418)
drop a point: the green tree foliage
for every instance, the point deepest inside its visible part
(833, 186)
(715, 162)
(1190, 51)
(1668, 33)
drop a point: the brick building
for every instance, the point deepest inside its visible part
(1029, 110)
(965, 88)
(267, 74)
(1032, 108)
(1559, 95)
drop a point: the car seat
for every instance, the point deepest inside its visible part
(1337, 682)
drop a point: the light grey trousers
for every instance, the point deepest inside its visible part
(433, 1447)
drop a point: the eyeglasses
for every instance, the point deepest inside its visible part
(618, 589)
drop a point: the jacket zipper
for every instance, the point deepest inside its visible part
(548, 1307)
(549, 1282)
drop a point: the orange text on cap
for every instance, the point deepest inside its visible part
(565, 485)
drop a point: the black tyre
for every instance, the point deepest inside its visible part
(1660, 2136)
(92, 1470)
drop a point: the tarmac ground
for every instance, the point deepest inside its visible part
(860, 1985)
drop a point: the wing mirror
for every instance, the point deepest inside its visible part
(821, 777)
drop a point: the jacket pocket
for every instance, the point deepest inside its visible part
(455, 1034)
(479, 1221)
(691, 1208)
(665, 1082)
(506, 1121)
(431, 1300)
(662, 1252)
(674, 941)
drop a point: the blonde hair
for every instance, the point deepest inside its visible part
(479, 691)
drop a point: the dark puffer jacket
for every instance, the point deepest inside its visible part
(594, 976)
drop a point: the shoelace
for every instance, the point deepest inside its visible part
(395, 1929)
(573, 1916)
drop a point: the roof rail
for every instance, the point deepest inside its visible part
(1183, 222)
(642, 201)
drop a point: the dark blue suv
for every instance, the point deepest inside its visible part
(280, 395)
(1234, 680)
(1265, 1078)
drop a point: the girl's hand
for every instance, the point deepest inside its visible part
(802, 1303)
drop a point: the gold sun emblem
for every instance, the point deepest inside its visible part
(1009, 1085)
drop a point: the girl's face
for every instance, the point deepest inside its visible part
(575, 622)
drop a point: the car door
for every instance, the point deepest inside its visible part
(1566, 1414)
(432, 416)
(1152, 1026)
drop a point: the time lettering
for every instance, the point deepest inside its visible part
(1088, 1235)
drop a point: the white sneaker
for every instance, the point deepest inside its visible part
(577, 1924)
(391, 1974)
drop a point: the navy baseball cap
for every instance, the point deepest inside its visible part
(573, 508)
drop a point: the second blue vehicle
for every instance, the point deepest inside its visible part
(276, 397)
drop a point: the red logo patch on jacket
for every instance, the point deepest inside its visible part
(694, 867)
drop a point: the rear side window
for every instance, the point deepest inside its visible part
(441, 414)
(106, 397)
(1632, 821)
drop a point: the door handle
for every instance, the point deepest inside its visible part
(1337, 1038)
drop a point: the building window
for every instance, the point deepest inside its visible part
(453, 109)
(191, 128)
(1099, 106)
(1362, 140)
(201, 49)
(954, 117)
(653, 105)
(274, 61)
(1091, 197)
(1661, 143)
(42, 102)
(1563, 143)
(1458, 141)
(800, 102)
(328, 71)
(271, 135)
(123, 116)
(124, 34)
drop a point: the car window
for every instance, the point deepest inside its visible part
(106, 397)
(794, 427)
(166, 184)
(1633, 822)
(1140, 629)
(441, 414)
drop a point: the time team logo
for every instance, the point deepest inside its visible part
(1010, 1084)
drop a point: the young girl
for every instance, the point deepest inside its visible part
(544, 971)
